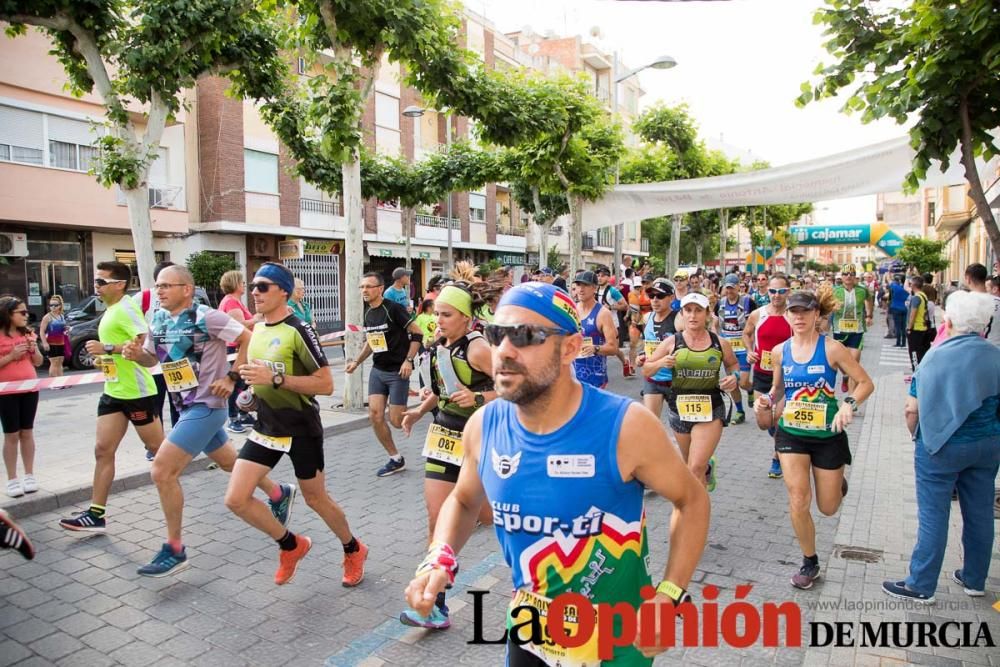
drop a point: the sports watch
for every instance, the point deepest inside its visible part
(677, 594)
(233, 375)
(109, 348)
(479, 399)
(851, 401)
(277, 380)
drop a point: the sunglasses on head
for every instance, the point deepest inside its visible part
(102, 282)
(261, 287)
(779, 290)
(520, 335)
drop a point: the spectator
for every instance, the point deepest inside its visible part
(300, 307)
(425, 320)
(234, 286)
(976, 278)
(399, 291)
(560, 279)
(897, 309)
(952, 413)
(53, 334)
(19, 356)
(918, 325)
(434, 286)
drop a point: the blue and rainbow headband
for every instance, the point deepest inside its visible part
(548, 301)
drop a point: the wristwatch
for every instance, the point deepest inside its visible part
(851, 401)
(410, 361)
(108, 348)
(479, 399)
(277, 380)
(677, 594)
(233, 375)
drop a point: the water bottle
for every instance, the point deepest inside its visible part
(247, 400)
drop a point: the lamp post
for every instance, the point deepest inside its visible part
(661, 62)
(415, 112)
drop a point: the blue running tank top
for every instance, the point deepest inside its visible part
(810, 393)
(565, 520)
(653, 334)
(592, 370)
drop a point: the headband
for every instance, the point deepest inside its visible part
(457, 298)
(548, 301)
(279, 275)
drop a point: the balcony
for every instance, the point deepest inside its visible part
(588, 242)
(321, 207)
(322, 214)
(511, 230)
(437, 221)
(644, 245)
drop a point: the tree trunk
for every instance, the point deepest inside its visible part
(976, 185)
(723, 238)
(698, 249)
(575, 234)
(354, 253)
(142, 232)
(675, 243)
(409, 213)
(543, 244)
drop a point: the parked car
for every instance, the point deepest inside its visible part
(83, 330)
(88, 309)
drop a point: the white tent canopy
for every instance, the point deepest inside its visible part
(862, 171)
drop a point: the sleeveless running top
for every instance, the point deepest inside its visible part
(733, 317)
(451, 415)
(55, 333)
(565, 520)
(771, 331)
(698, 371)
(654, 333)
(592, 370)
(812, 387)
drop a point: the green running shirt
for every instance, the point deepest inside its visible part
(121, 323)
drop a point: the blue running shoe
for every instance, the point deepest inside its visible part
(150, 455)
(775, 471)
(236, 426)
(164, 563)
(391, 467)
(282, 509)
(710, 475)
(437, 620)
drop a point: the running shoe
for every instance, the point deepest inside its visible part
(12, 537)
(710, 475)
(956, 576)
(29, 484)
(391, 467)
(14, 488)
(288, 561)
(775, 471)
(236, 426)
(626, 368)
(85, 522)
(899, 590)
(282, 509)
(354, 566)
(437, 620)
(844, 387)
(150, 455)
(806, 575)
(166, 562)
(739, 418)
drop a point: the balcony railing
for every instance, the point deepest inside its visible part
(588, 242)
(436, 221)
(320, 206)
(556, 230)
(512, 231)
(644, 245)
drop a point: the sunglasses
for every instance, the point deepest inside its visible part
(521, 335)
(261, 287)
(653, 294)
(19, 312)
(101, 282)
(780, 290)
(162, 286)
(54, 305)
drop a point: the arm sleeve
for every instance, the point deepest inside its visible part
(308, 349)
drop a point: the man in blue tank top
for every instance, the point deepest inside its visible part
(600, 332)
(564, 466)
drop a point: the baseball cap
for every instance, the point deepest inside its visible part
(603, 269)
(546, 271)
(681, 274)
(696, 298)
(663, 286)
(730, 281)
(399, 272)
(586, 278)
(648, 278)
(802, 299)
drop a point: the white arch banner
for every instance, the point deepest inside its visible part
(862, 171)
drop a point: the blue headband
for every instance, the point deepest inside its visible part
(279, 275)
(548, 301)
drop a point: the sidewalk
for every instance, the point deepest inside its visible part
(64, 437)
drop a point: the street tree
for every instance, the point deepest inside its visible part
(926, 255)
(139, 57)
(934, 63)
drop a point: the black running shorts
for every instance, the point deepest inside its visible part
(306, 454)
(824, 453)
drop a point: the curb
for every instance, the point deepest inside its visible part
(43, 501)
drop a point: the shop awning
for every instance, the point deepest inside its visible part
(399, 250)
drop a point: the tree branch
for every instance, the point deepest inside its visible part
(972, 176)
(58, 22)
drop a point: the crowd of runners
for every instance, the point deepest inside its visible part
(523, 434)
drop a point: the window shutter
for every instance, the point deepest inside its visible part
(19, 127)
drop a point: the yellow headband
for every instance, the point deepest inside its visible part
(457, 298)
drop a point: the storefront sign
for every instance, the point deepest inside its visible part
(322, 247)
(292, 249)
(510, 258)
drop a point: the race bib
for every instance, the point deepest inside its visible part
(804, 415)
(849, 326)
(108, 367)
(443, 444)
(649, 347)
(736, 344)
(549, 651)
(765, 361)
(179, 375)
(376, 341)
(587, 342)
(278, 444)
(694, 407)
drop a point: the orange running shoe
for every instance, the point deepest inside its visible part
(354, 566)
(288, 561)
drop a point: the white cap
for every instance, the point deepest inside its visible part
(696, 298)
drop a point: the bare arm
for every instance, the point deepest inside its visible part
(748, 330)
(610, 333)
(658, 361)
(912, 414)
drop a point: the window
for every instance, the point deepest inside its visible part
(21, 134)
(260, 172)
(26, 155)
(477, 207)
(63, 155)
(386, 111)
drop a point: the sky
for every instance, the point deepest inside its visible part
(740, 65)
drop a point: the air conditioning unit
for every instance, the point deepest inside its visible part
(263, 246)
(13, 244)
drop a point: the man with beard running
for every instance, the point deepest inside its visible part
(564, 466)
(767, 327)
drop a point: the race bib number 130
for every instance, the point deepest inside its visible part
(179, 375)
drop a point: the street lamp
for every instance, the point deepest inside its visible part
(660, 62)
(415, 112)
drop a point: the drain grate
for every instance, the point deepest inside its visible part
(861, 554)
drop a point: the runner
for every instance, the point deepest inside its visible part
(854, 317)
(639, 309)
(696, 410)
(659, 327)
(759, 293)
(53, 334)
(600, 336)
(811, 440)
(615, 301)
(469, 386)
(189, 343)
(767, 327)
(129, 391)
(733, 311)
(393, 339)
(148, 302)
(12, 536)
(564, 466)
(286, 369)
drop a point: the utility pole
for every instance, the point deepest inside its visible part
(675, 243)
